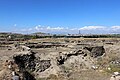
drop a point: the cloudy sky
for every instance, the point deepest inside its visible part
(60, 16)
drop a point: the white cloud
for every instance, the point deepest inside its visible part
(66, 30)
(30, 29)
(74, 29)
(92, 27)
(37, 28)
(115, 27)
(26, 30)
(54, 28)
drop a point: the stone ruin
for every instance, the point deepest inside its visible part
(94, 52)
(29, 62)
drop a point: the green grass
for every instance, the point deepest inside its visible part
(114, 68)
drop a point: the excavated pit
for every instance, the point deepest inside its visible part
(96, 51)
(31, 63)
(25, 61)
(62, 58)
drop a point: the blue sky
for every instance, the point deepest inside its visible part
(60, 16)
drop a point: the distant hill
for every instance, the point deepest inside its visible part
(38, 33)
(41, 34)
(5, 34)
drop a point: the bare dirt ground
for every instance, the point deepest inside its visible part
(70, 58)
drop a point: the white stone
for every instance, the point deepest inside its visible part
(116, 73)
